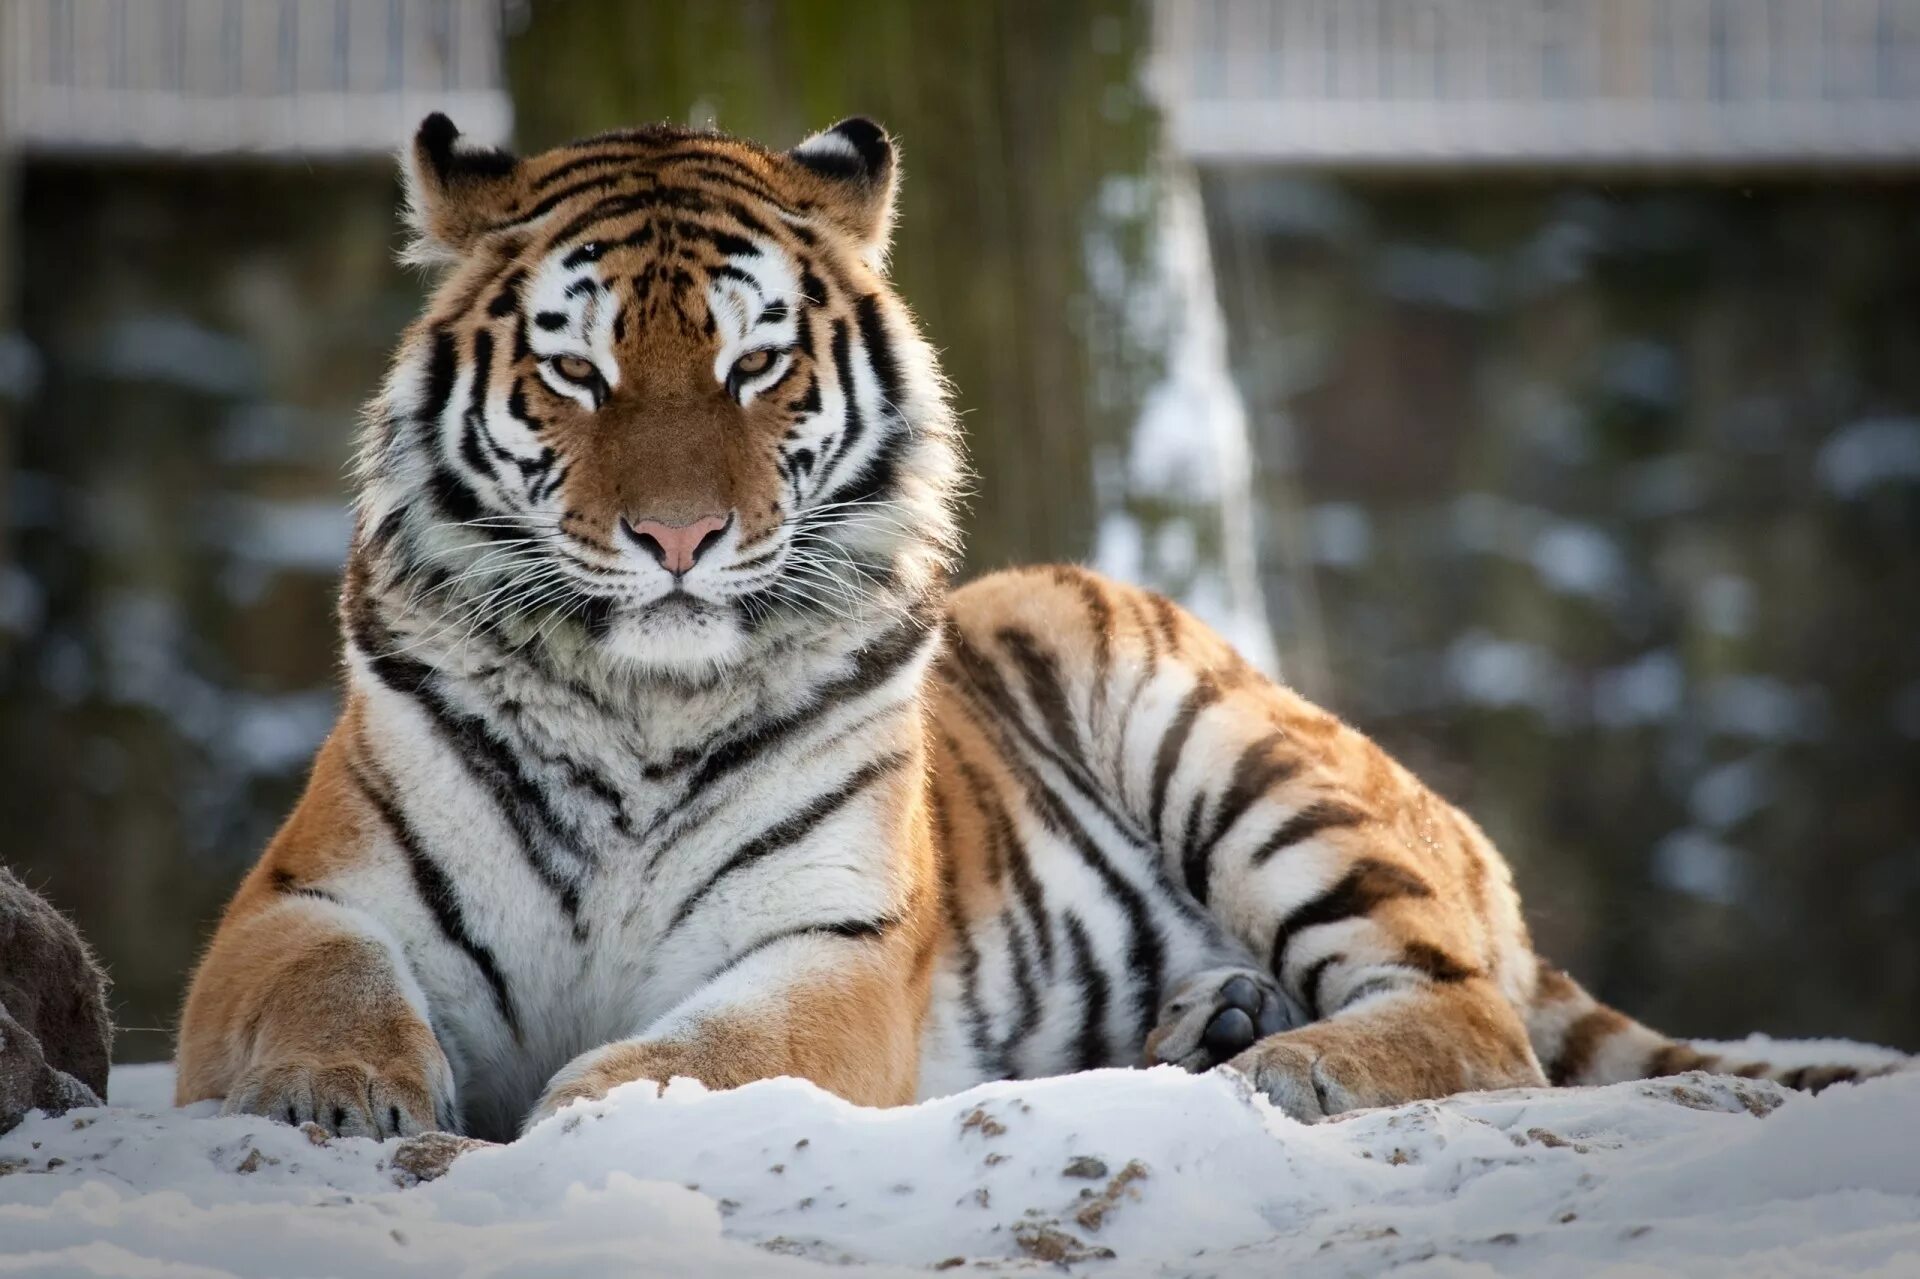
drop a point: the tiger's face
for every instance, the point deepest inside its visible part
(665, 397)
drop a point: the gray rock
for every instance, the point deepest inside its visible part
(55, 1038)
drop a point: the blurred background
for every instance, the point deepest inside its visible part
(1535, 382)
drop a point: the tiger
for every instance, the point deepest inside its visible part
(669, 747)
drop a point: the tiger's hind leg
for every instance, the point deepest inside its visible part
(1382, 914)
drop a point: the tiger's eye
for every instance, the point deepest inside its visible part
(752, 364)
(576, 368)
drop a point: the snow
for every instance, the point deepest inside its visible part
(1190, 446)
(1171, 1174)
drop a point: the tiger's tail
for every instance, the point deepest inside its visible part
(1581, 1041)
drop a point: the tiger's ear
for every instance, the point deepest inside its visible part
(455, 192)
(850, 172)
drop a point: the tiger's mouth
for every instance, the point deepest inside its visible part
(678, 633)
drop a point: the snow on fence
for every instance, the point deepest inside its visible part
(1731, 83)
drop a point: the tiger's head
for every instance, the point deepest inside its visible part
(663, 400)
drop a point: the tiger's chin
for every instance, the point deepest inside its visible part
(680, 637)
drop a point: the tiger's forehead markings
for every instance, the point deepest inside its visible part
(647, 154)
(699, 182)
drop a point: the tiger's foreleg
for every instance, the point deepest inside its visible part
(303, 1010)
(842, 1010)
(304, 1007)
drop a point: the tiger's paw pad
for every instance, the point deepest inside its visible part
(343, 1098)
(1218, 1015)
(1305, 1083)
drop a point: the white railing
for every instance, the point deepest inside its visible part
(299, 76)
(1414, 82)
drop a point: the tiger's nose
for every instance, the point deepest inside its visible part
(677, 547)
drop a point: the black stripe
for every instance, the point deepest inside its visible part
(873, 337)
(682, 199)
(470, 451)
(1320, 815)
(1149, 671)
(1173, 744)
(591, 160)
(791, 830)
(1367, 884)
(1436, 963)
(1167, 618)
(992, 706)
(812, 288)
(493, 765)
(853, 427)
(730, 245)
(436, 890)
(1100, 623)
(1026, 992)
(1091, 1043)
(1260, 768)
(1146, 951)
(979, 1033)
(745, 182)
(988, 687)
(725, 271)
(877, 474)
(452, 496)
(641, 155)
(873, 666)
(284, 883)
(507, 300)
(851, 929)
(591, 251)
(1312, 981)
(442, 366)
(1001, 830)
(604, 182)
(388, 528)
(1041, 670)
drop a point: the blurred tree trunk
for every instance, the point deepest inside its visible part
(1030, 214)
(9, 341)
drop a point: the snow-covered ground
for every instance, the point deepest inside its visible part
(1121, 1173)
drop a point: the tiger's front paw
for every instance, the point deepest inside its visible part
(594, 1074)
(348, 1098)
(1216, 1015)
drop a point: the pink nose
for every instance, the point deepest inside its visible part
(677, 546)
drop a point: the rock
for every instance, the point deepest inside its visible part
(428, 1156)
(55, 1039)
